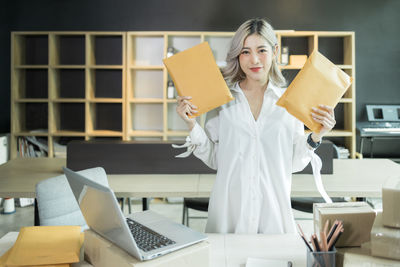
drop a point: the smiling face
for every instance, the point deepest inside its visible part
(255, 59)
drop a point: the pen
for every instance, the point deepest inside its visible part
(304, 238)
(324, 244)
(326, 227)
(315, 239)
(333, 228)
(334, 241)
(338, 230)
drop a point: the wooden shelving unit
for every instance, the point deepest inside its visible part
(67, 85)
(91, 85)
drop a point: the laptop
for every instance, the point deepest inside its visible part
(145, 235)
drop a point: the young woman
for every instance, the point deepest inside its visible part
(253, 144)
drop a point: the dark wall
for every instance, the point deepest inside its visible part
(376, 24)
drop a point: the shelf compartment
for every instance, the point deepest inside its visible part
(219, 47)
(175, 122)
(69, 117)
(108, 49)
(146, 50)
(32, 145)
(147, 117)
(298, 45)
(67, 83)
(69, 49)
(31, 117)
(182, 42)
(105, 83)
(146, 138)
(30, 83)
(60, 143)
(336, 49)
(290, 74)
(350, 91)
(140, 133)
(146, 83)
(31, 49)
(105, 118)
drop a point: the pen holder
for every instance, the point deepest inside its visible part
(321, 258)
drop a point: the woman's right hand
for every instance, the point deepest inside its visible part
(186, 108)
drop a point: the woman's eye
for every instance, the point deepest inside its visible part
(245, 52)
(263, 50)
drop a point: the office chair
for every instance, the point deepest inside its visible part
(56, 204)
(200, 204)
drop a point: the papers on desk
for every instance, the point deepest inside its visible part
(45, 246)
(254, 262)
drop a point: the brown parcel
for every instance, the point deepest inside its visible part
(195, 73)
(102, 253)
(361, 256)
(357, 218)
(390, 202)
(318, 82)
(385, 241)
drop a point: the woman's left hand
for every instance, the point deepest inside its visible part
(326, 117)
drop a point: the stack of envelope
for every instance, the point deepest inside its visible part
(45, 246)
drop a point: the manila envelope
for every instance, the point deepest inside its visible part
(45, 246)
(195, 73)
(318, 82)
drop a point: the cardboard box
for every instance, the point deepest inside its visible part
(102, 253)
(297, 60)
(390, 202)
(357, 217)
(385, 241)
(361, 256)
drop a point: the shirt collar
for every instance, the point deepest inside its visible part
(275, 89)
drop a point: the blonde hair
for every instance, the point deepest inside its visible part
(232, 72)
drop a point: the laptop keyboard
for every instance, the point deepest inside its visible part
(147, 239)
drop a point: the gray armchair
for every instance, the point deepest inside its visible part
(56, 203)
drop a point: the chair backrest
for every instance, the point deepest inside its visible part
(56, 202)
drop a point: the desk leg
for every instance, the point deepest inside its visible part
(36, 214)
(145, 203)
(372, 146)
(362, 145)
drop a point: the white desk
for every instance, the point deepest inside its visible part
(231, 250)
(352, 178)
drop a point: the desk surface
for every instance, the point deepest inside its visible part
(352, 177)
(231, 250)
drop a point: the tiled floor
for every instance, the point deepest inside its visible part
(24, 216)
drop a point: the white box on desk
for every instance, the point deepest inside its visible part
(102, 253)
(361, 256)
(385, 241)
(390, 202)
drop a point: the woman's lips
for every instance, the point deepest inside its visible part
(257, 69)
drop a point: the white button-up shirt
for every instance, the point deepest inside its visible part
(254, 160)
